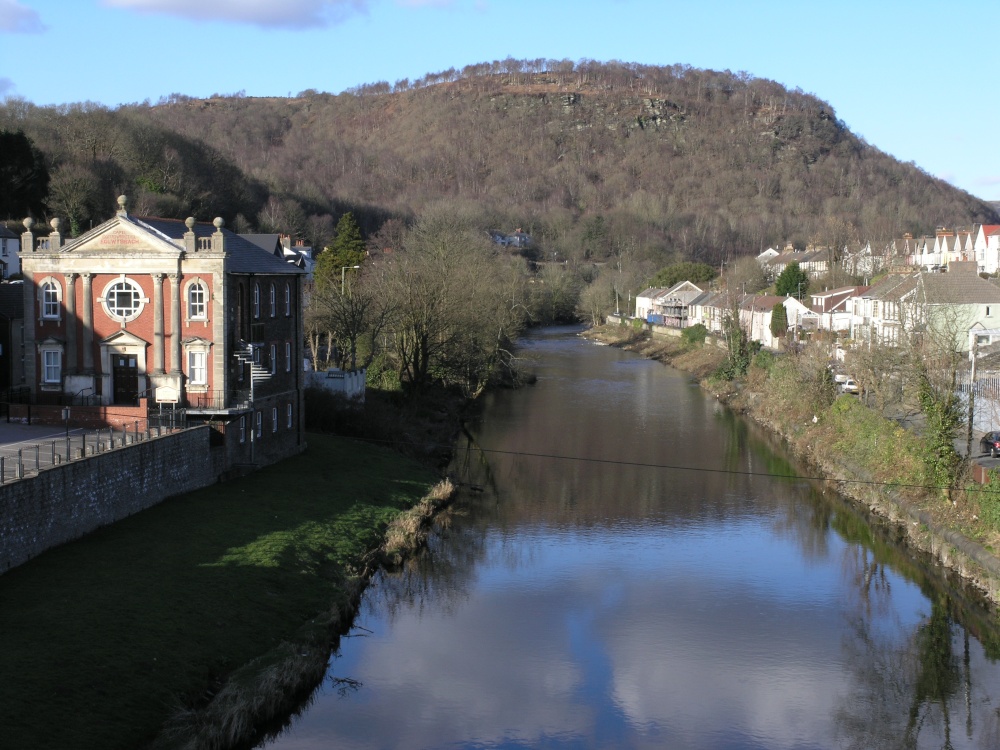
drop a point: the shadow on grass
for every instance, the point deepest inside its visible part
(105, 636)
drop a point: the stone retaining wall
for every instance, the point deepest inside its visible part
(68, 501)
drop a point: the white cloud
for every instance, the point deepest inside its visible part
(289, 14)
(17, 19)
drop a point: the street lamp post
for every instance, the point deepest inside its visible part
(343, 277)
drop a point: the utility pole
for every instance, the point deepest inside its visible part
(972, 395)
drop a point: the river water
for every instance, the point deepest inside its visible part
(630, 566)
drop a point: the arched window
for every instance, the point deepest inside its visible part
(256, 300)
(274, 301)
(288, 299)
(51, 295)
(197, 301)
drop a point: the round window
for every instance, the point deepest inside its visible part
(123, 300)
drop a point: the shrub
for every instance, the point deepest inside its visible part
(989, 501)
(694, 335)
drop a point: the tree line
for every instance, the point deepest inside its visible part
(677, 162)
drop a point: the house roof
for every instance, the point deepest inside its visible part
(243, 256)
(269, 242)
(958, 288)
(652, 292)
(6, 234)
(764, 303)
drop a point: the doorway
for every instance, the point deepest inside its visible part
(125, 379)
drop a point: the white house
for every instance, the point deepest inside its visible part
(755, 316)
(986, 247)
(10, 260)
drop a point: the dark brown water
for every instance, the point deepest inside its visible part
(632, 568)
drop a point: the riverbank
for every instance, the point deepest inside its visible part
(163, 617)
(875, 461)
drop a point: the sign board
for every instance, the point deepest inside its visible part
(167, 395)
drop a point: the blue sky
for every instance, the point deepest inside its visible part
(916, 79)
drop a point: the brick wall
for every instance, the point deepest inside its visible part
(68, 501)
(89, 417)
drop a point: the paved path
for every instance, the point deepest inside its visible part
(27, 449)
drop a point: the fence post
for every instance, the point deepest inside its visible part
(3, 476)
(53, 452)
(38, 456)
(20, 464)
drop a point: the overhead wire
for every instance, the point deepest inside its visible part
(708, 470)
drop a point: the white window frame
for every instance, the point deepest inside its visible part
(197, 360)
(50, 299)
(274, 359)
(289, 415)
(111, 309)
(288, 356)
(52, 363)
(197, 309)
(256, 301)
(274, 419)
(274, 300)
(288, 299)
(260, 422)
(243, 428)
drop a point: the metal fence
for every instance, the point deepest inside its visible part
(28, 458)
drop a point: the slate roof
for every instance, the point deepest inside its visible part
(765, 303)
(269, 242)
(958, 288)
(243, 256)
(6, 234)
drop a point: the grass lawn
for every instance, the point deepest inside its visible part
(103, 638)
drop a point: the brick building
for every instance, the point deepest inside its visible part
(147, 314)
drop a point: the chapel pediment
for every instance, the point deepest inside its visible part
(123, 338)
(125, 235)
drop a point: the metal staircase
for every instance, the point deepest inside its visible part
(245, 354)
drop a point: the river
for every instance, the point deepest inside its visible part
(629, 565)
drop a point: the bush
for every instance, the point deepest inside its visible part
(764, 360)
(694, 335)
(989, 501)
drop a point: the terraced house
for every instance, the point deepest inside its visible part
(146, 314)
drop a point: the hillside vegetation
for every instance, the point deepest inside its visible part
(593, 160)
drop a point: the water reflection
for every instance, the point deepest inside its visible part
(585, 596)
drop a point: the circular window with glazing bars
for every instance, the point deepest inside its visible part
(123, 299)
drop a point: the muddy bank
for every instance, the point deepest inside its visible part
(949, 532)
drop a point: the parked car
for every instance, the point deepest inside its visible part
(990, 443)
(850, 386)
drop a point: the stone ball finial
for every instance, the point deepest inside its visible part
(28, 223)
(122, 202)
(189, 223)
(219, 222)
(55, 224)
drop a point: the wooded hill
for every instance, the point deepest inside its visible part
(591, 159)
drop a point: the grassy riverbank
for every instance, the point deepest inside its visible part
(106, 638)
(792, 395)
